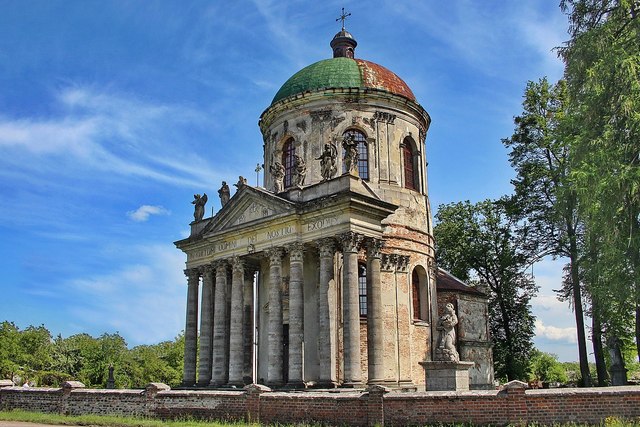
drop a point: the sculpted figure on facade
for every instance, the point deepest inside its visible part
(300, 169)
(224, 193)
(446, 350)
(277, 173)
(242, 181)
(350, 154)
(199, 202)
(328, 160)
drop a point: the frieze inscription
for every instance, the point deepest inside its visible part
(321, 223)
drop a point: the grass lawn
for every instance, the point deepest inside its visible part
(110, 421)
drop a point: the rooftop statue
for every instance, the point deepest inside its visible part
(199, 202)
(224, 193)
(350, 146)
(277, 173)
(328, 160)
(300, 169)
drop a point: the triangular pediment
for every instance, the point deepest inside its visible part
(249, 204)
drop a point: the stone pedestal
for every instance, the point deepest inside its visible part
(446, 376)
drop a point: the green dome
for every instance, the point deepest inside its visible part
(343, 73)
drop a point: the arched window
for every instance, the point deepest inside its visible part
(410, 180)
(288, 160)
(419, 294)
(362, 289)
(363, 153)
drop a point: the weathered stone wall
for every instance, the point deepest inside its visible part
(513, 405)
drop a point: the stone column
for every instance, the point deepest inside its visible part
(235, 327)
(375, 327)
(191, 328)
(274, 368)
(296, 315)
(206, 327)
(220, 326)
(327, 252)
(351, 309)
(247, 326)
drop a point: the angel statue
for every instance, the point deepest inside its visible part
(199, 201)
(350, 146)
(328, 160)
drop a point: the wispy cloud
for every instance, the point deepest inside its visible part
(145, 211)
(108, 134)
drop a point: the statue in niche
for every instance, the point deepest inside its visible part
(277, 173)
(224, 193)
(242, 181)
(350, 146)
(300, 169)
(199, 202)
(328, 160)
(446, 349)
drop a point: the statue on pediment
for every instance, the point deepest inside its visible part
(242, 181)
(199, 202)
(328, 162)
(224, 193)
(300, 170)
(350, 146)
(277, 173)
(446, 349)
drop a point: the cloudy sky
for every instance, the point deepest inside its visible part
(113, 114)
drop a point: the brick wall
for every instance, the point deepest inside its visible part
(513, 405)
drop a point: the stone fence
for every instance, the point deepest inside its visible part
(375, 406)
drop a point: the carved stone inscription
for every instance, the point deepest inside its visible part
(320, 223)
(254, 211)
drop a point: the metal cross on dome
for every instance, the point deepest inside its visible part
(343, 17)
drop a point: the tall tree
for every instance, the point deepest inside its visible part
(485, 244)
(603, 75)
(540, 148)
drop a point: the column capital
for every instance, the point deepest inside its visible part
(220, 264)
(192, 273)
(350, 241)
(374, 246)
(296, 251)
(237, 264)
(206, 269)
(326, 246)
(275, 254)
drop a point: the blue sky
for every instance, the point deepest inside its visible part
(113, 114)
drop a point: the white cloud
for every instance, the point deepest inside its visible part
(554, 333)
(143, 212)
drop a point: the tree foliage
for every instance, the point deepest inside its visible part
(485, 244)
(603, 78)
(540, 153)
(33, 355)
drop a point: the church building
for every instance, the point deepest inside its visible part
(326, 277)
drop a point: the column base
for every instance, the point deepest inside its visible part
(235, 384)
(188, 383)
(217, 384)
(203, 384)
(274, 384)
